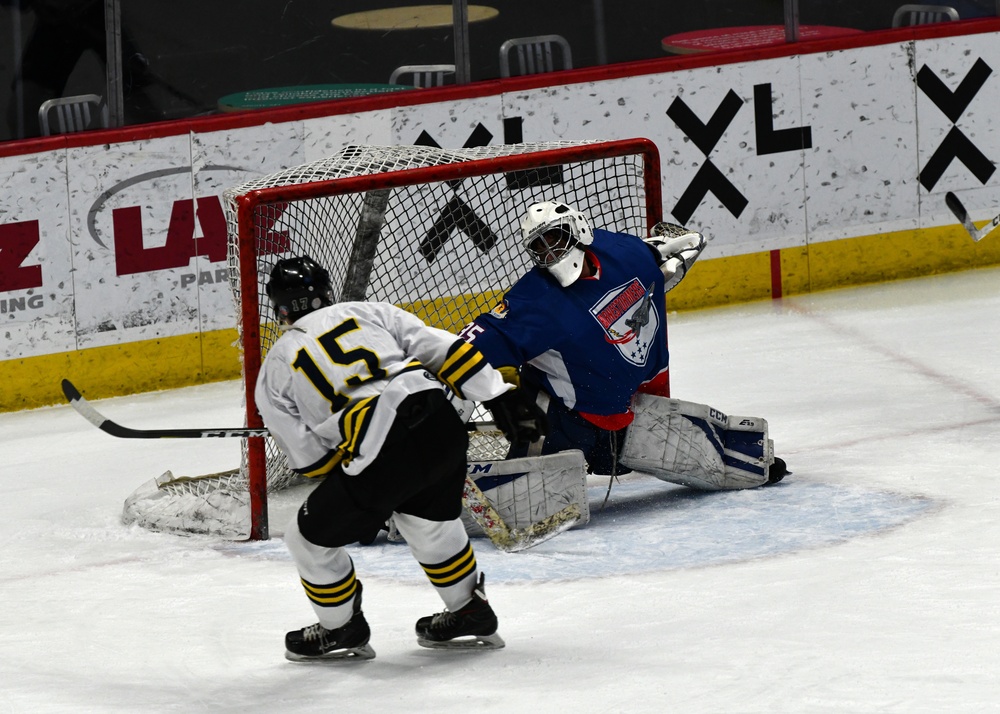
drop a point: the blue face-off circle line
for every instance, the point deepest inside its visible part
(649, 526)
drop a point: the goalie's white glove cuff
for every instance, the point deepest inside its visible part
(673, 271)
(678, 248)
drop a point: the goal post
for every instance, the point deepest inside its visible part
(434, 231)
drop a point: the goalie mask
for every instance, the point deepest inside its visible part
(553, 235)
(297, 287)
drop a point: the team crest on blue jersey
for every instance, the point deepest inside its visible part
(630, 323)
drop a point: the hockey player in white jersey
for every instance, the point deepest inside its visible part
(584, 331)
(358, 393)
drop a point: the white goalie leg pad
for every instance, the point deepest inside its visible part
(526, 490)
(695, 445)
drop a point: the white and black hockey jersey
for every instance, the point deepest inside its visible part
(329, 387)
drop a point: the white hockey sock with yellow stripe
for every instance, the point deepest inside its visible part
(327, 574)
(445, 553)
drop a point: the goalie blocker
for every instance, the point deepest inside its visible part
(697, 446)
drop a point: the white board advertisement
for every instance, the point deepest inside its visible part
(106, 244)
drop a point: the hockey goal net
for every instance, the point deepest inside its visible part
(434, 231)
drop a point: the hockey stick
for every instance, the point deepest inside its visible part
(511, 540)
(88, 412)
(963, 216)
(500, 534)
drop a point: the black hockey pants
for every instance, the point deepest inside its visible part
(420, 471)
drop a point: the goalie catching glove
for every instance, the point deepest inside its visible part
(676, 250)
(518, 417)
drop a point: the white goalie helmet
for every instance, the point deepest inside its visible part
(552, 233)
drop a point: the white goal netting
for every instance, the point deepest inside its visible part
(432, 230)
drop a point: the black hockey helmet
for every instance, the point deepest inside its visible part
(297, 287)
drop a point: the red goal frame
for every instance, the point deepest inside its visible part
(248, 203)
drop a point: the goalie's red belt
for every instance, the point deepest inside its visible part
(658, 385)
(609, 422)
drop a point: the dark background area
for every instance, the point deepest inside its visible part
(180, 57)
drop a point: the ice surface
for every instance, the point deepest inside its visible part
(867, 581)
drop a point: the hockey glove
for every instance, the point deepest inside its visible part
(676, 249)
(518, 417)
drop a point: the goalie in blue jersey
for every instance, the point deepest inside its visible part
(585, 332)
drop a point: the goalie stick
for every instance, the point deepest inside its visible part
(963, 217)
(502, 536)
(511, 540)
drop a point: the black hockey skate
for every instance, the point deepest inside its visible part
(473, 626)
(318, 643)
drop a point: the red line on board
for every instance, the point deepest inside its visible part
(775, 274)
